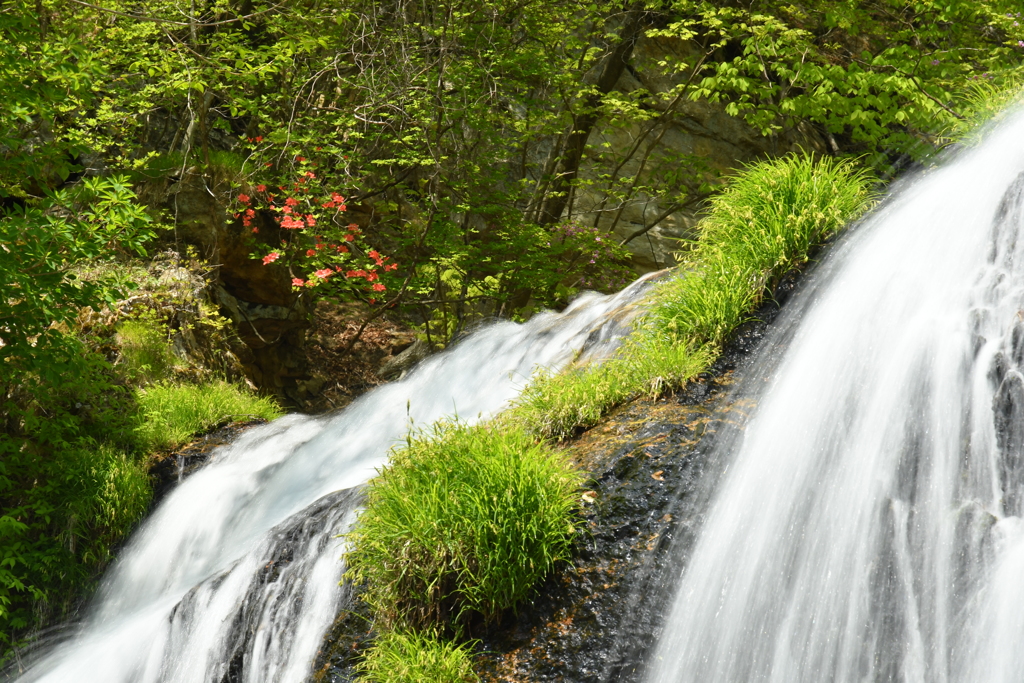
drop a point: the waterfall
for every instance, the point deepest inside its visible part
(234, 577)
(867, 525)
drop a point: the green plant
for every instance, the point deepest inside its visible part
(767, 222)
(556, 405)
(462, 520)
(983, 102)
(146, 355)
(396, 657)
(171, 414)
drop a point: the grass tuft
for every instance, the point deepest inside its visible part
(558, 405)
(463, 520)
(146, 355)
(398, 657)
(767, 222)
(171, 414)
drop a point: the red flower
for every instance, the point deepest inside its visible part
(297, 282)
(271, 257)
(310, 174)
(244, 198)
(298, 158)
(378, 287)
(374, 254)
(261, 188)
(324, 273)
(291, 201)
(328, 205)
(311, 252)
(353, 227)
(349, 237)
(287, 209)
(250, 213)
(391, 266)
(310, 220)
(342, 249)
(337, 198)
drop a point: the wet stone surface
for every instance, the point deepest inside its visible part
(595, 618)
(167, 472)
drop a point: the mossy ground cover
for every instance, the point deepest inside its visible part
(435, 521)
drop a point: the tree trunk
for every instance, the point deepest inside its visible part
(609, 70)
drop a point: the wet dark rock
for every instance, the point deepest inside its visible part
(169, 471)
(1008, 408)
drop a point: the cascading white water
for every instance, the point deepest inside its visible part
(868, 525)
(235, 576)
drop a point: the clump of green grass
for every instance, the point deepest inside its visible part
(767, 222)
(171, 414)
(463, 520)
(146, 355)
(109, 491)
(984, 101)
(557, 405)
(397, 657)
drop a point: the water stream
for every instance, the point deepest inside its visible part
(234, 577)
(868, 525)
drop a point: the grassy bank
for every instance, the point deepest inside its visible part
(75, 451)
(767, 222)
(443, 531)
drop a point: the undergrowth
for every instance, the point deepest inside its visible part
(76, 445)
(415, 658)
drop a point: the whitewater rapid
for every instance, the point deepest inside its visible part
(234, 577)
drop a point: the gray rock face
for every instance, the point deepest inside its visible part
(270, 318)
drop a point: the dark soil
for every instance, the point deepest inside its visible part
(348, 373)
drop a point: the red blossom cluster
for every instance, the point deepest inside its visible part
(300, 210)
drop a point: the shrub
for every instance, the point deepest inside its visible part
(414, 658)
(463, 520)
(171, 414)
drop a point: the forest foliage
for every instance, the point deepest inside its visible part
(447, 161)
